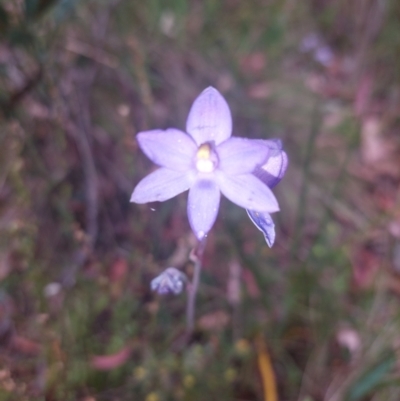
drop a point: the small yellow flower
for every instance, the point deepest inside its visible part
(230, 375)
(140, 373)
(188, 381)
(152, 397)
(242, 347)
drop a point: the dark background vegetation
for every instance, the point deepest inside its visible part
(78, 80)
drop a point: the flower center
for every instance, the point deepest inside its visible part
(206, 159)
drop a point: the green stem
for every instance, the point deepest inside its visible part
(315, 130)
(193, 287)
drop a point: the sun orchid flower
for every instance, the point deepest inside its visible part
(208, 161)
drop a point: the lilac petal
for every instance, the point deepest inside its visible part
(273, 171)
(203, 205)
(161, 185)
(170, 148)
(241, 155)
(275, 168)
(274, 144)
(209, 118)
(263, 221)
(247, 191)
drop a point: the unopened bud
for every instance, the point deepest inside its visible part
(171, 280)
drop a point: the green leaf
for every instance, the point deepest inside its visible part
(31, 7)
(4, 21)
(371, 379)
(21, 37)
(3, 16)
(35, 8)
(64, 8)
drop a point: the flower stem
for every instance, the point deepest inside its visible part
(192, 288)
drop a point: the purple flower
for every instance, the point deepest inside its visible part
(207, 161)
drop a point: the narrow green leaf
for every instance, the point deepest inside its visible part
(3, 18)
(35, 8)
(21, 37)
(3, 24)
(31, 7)
(371, 379)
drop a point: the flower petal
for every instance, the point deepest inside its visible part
(203, 205)
(170, 148)
(275, 168)
(247, 191)
(241, 155)
(263, 221)
(161, 185)
(209, 118)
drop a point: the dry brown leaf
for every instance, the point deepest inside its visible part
(266, 371)
(363, 95)
(118, 270)
(254, 63)
(234, 283)
(251, 283)
(373, 146)
(109, 362)
(261, 90)
(5, 266)
(214, 321)
(365, 265)
(392, 281)
(25, 345)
